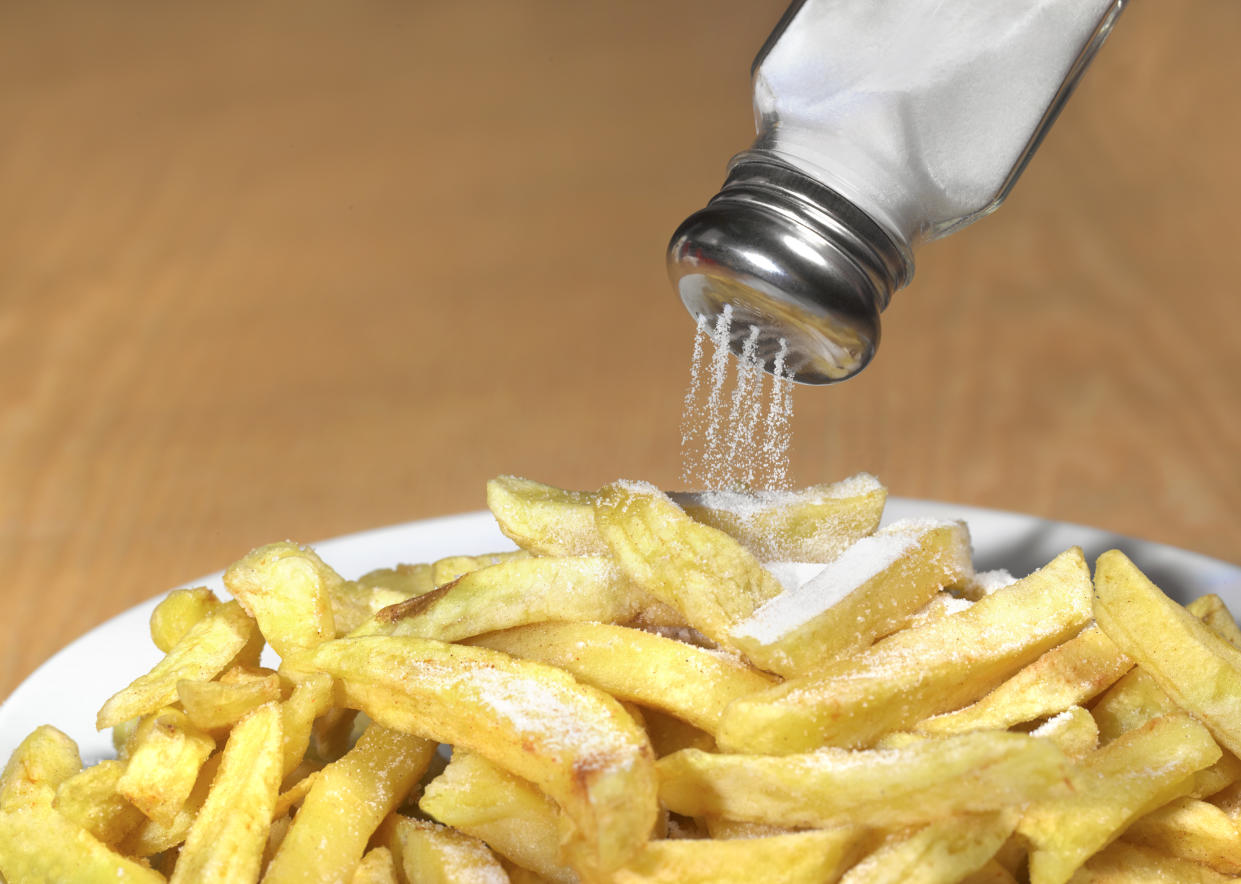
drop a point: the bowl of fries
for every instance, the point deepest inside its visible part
(634, 686)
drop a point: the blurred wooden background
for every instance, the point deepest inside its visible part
(299, 269)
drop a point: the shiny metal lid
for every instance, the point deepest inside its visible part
(794, 259)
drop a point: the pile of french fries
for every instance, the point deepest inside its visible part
(659, 688)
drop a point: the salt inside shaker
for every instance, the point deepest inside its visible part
(882, 125)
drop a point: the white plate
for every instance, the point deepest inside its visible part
(68, 689)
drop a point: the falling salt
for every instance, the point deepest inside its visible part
(736, 439)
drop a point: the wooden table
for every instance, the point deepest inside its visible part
(300, 269)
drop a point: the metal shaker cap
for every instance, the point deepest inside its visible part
(794, 259)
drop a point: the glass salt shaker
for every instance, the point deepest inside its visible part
(882, 125)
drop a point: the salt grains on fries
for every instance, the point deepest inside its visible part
(714, 687)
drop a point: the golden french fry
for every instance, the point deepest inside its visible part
(698, 570)
(211, 705)
(164, 765)
(38, 844)
(303, 779)
(1073, 730)
(1212, 611)
(992, 872)
(792, 858)
(915, 784)
(288, 590)
(44, 760)
(227, 839)
(90, 799)
(1111, 788)
(177, 613)
(669, 734)
(916, 673)
(1193, 830)
(1067, 675)
(872, 589)
(354, 602)
(428, 853)
(311, 697)
(506, 812)
(451, 568)
(377, 867)
(515, 593)
(203, 652)
(345, 805)
(1125, 863)
(576, 743)
(151, 838)
(544, 520)
(691, 683)
(815, 524)
(942, 851)
(1200, 671)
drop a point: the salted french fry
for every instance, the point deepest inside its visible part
(795, 857)
(354, 602)
(451, 568)
(203, 652)
(38, 844)
(150, 838)
(945, 850)
(872, 589)
(228, 836)
(310, 698)
(1133, 700)
(575, 742)
(346, 803)
(1193, 830)
(376, 867)
(90, 799)
(814, 524)
(669, 734)
(1112, 787)
(1073, 730)
(288, 590)
(292, 796)
(177, 613)
(221, 703)
(1200, 671)
(1125, 863)
(1212, 611)
(428, 853)
(514, 593)
(916, 673)
(698, 570)
(1069, 674)
(916, 784)
(44, 760)
(691, 683)
(164, 765)
(506, 812)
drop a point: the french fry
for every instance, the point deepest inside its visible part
(151, 838)
(545, 520)
(90, 799)
(1200, 671)
(428, 853)
(916, 673)
(177, 613)
(1212, 611)
(354, 602)
(872, 589)
(1193, 830)
(1069, 674)
(288, 590)
(44, 760)
(40, 845)
(575, 742)
(992, 872)
(451, 568)
(698, 570)
(345, 805)
(311, 697)
(1112, 787)
(795, 858)
(691, 683)
(916, 784)
(377, 867)
(815, 524)
(945, 850)
(514, 593)
(1125, 863)
(212, 705)
(514, 818)
(1073, 730)
(226, 841)
(203, 652)
(164, 765)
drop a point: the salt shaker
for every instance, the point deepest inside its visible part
(882, 125)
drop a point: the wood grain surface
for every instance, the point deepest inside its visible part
(299, 269)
